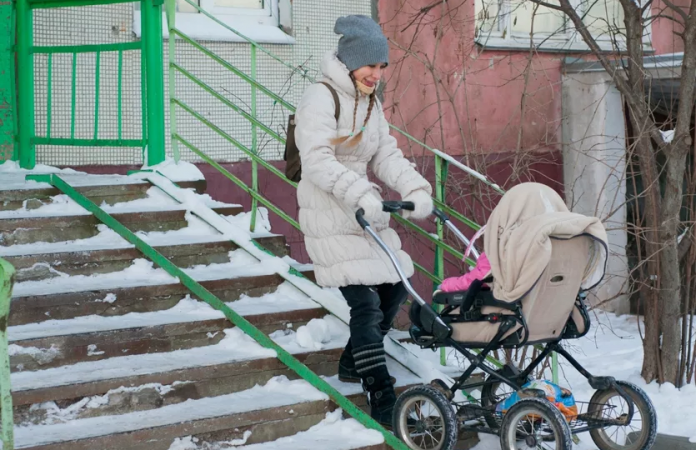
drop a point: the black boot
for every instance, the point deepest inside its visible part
(370, 363)
(346, 367)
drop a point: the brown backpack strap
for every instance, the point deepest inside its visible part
(337, 112)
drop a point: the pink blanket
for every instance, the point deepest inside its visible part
(462, 283)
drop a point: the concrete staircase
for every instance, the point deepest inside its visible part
(108, 352)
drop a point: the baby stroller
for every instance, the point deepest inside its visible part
(619, 416)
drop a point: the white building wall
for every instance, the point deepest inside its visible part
(594, 161)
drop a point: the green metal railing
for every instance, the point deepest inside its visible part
(6, 281)
(443, 162)
(208, 297)
(152, 84)
(8, 119)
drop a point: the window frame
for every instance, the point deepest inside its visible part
(259, 25)
(570, 40)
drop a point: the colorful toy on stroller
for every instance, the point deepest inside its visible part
(543, 261)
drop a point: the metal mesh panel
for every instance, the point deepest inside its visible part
(313, 25)
(313, 22)
(102, 24)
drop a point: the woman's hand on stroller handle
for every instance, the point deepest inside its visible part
(391, 206)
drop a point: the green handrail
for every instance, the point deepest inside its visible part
(6, 280)
(443, 160)
(208, 297)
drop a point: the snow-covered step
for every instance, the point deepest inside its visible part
(185, 251)
(35, 226)
(140, 288)
(261, 410)
(17, 193)
(334, 432)
(151, 380)
(190, 323)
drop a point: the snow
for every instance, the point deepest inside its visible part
(263, 223)
(334, 432)
(279, 391)
(667, 136)
(318, 334)
(12, 167)
(55, 414)
(181, 171)
(61, 206)
(285, 298)
(40, 355)
(197, 231)
(235, 346)
(143, 273)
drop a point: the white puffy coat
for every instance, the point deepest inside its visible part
(334, 179)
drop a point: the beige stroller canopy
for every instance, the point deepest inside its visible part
(518, 239)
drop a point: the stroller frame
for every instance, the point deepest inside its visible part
(439, 333)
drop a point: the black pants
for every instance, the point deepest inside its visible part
(372, 311)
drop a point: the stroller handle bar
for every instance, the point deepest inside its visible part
(391, 206)
(444, 218)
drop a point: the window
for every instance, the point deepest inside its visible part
(264, 21)
(508, 24)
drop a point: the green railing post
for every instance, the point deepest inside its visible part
(439, 266)
(25, 85)
(151, 24)
(7, 75)
(170, 8)
(554, 367)
(254, 144)
(6, 280)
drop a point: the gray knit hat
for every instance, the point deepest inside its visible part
(362, 42)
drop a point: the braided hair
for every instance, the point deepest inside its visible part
(353, 138)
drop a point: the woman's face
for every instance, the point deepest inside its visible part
(369, 75)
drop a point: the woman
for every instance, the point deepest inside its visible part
(335, 157)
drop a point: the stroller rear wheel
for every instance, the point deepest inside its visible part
(425, 420)
(609, 404)
(534, 423)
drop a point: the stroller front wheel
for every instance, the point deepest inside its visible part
(609, 404)
(534, 423)
(425, 420)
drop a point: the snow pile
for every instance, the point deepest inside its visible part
(13, 167)
(285, 298)
(318, 334)
(156, 200)
(243, 221)
(40, 355)
(278, 392)
(235, 346)
(334, 432)
(191, 443)
(52, 413)
(143, 273)
(181, 171)
(667, 136)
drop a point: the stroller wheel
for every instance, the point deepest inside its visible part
(534, 423)
(495, 391)
(425, 420)
(609, 404)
